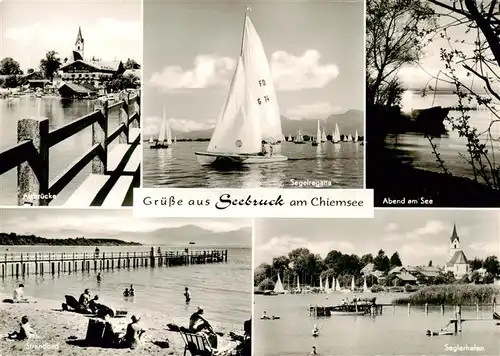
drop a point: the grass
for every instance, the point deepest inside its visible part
(453, 294)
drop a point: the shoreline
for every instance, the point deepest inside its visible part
(54, 326)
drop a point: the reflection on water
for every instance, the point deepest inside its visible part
(451, 147)
(342, 164)
(395, 332)
(61, 155)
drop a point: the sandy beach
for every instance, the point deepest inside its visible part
(55, 327)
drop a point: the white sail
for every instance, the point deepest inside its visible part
(299, 137)
(337, 133)
(237, 130)
(356, 136)
(151, 140)
(260, 83)
(175, 139)
(318, 132)
(334, 284)
(169, 134)
(320, 284)
(289, 137)
(337, 286)
(327, 284)
(353, 284)
(163, 130)
(323, 136)
(365, 286)
(278, 288)
(298, 284)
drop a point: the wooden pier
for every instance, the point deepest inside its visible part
(114, 173)
(22, 265)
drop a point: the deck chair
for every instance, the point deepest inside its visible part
(196, 344)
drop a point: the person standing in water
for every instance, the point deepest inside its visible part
(313, 351)
(187, 294)
(131, 291)
(99, 278)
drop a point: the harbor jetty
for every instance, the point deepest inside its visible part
(25, 264)
(115, 171)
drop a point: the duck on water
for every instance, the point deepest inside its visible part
(249, 128)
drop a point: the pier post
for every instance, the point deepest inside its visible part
(99, 136)
(53, 269)
(152, 256)
(123, 117)
(17, 269)
(33, 182)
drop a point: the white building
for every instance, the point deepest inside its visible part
(457, 262)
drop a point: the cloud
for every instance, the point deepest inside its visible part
(289, 72)
(416, 253)
(282, 245)
(208, 70)
(152, 125)
(313, 111)
(303, 72)
(391, 227)
(486, 248)
(431, 227)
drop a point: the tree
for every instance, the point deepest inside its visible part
(262, 272)
(429, 264)
(31, 70)
(382, 262)
(395, 260)
(395, 32)
(131, 64)
(280, 264)
(491, 265)
(476, 264)
(266, 284)
(50, 64)
(121, 82)
(8, 66)
(365, 259)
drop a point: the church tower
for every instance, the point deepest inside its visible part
(79, 46)
(454, 242)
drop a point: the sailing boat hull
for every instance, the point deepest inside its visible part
(159, 146)
(314, 144)
(300, 143)
(208, 159)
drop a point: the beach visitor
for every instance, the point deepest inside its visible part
(25, 331)
(271, 150)
(84, 299)
(187, 294)
(131, 291)
(132, 338)
(197, 322)
(313, 351)
(19, 295)
(315, 330)
(98, 278)
(126, 293)
(93, 304)
(264, 315)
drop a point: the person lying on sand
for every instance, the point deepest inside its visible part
(84, 299)
(132, 338)
(25, 331)
(19, 295)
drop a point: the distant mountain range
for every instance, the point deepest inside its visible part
(177, 236)
(348, 122)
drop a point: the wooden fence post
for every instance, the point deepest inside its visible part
(99, 135)
(123, 116)
(33, 175)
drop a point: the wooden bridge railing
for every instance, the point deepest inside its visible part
(31, 154)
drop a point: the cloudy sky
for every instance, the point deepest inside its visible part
(417, 235)
(111, 29)
(101, 222)
(315, 50)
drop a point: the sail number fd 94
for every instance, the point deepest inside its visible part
(262, 83)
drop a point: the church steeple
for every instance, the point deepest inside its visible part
(454, 235)
(79, 44)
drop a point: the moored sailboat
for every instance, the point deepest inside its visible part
(278, 287)
(317, 139)
(249, 128)
(323, 136)
(165, 135)
(289, 138)
(299, 139)
(336, 134)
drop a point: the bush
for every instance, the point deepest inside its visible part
(266, 284)
(452, 294)
(376, 288)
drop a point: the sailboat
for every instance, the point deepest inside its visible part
(353, 284)
(323, 136)
(298, 285)
(320, 284)
(175, 139)
(365, 286)
(336, 134)
(356, 136)
(299, 139)
(249, 128)
(278, 288)
(151, 140)
(337, 285)
(317, 139)
(289, 138)
(165, 136)
(327, 285)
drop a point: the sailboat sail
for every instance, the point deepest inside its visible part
(260, 83)
(163, 129)
(337, 286)
(175, 139)
(327, 285)
(289, 137)
(334, 284)
(353, 285)
(151, 140)
(323, 136)
(365, 286)
(169, 135)
(320, 284)
(337, 134)
(298, 284)
(318, 132)
(237, 130)
(299, 137)
(278, 288)
(356, 136)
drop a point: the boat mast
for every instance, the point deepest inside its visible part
(244, 28)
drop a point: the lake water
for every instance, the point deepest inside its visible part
(223, 289)
(341, 164)
(393, 333)
(61, 155)
(450, 146)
